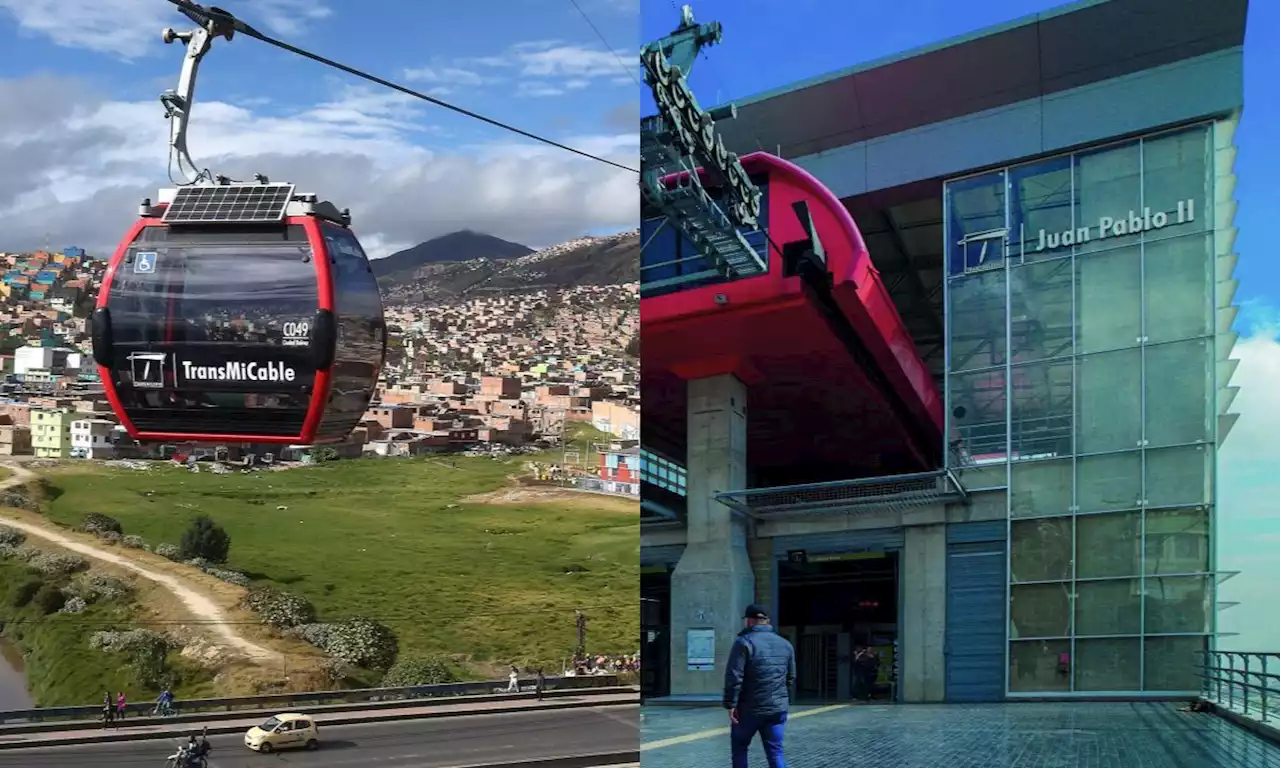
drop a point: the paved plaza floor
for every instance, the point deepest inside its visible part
(1030, 735)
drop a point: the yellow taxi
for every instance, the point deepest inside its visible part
(287, 731)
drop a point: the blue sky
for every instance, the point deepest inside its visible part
(534, 63)
(386, 38)
(836, 36)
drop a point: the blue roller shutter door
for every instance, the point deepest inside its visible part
(976, 564)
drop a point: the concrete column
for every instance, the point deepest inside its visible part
(713, 582)
(760, 550)
(923, 571)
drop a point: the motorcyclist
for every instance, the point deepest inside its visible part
(194, 753)
(190, 755)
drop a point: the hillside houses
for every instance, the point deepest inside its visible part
(495, 372)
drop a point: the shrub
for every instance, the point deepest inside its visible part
(134, 542)
(280, 609)
(55, 563)
(26, 552)
(98, 523)
(170, 551)
(257, 598)
(129, 641)
(11, 536)
(111, 537)
(231, 577)
(364, 643)
(197, 562)
(316, 634)
(335, 670)
(26, 592)
(147, 652)
(50, 599)
(20, 498)
(426, 671)
(94, 587)
(74, 605)
(206, 539)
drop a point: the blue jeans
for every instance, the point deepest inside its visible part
(770, 729)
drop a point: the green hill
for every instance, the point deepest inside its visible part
(397, 541)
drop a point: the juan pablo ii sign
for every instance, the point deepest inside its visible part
(1135, 222)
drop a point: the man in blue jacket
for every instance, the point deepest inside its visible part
(757, 688)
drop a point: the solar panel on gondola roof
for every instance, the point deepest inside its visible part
(230, 204)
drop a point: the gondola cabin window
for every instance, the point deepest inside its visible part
(210, 330)
(361, 333)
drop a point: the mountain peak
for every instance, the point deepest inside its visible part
(463, 245)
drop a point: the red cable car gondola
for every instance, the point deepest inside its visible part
(235, 312)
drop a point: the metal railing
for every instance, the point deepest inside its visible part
(864, 495)
(1247, 683)
(314, 698)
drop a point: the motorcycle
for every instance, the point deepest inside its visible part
(187, 757)
(183, 758)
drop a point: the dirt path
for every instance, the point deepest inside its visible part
(516, 493)
(201, 607)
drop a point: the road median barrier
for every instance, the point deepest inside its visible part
(198, 718)
(168, 729)
(311, 699)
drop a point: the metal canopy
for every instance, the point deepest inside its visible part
(1043, 54)
(894, 493)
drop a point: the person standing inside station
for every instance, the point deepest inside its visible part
(758, 682)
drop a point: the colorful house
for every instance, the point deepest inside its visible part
(51, 432)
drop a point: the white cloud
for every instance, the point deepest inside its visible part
(1248, 515)
(550, 59)
(78, 177)
(446, 76)
(532, 90)
(130, 29)
(551, 67)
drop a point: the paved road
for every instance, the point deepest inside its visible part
(440, 743)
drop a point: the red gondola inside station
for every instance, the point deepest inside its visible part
(835, 385)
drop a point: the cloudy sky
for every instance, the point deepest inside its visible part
(83, 135)
(1249, 461)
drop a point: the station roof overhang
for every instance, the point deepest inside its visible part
(1065, 48)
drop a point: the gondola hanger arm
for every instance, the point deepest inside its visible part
(212, 22)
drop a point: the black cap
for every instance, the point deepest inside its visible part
(755, 612)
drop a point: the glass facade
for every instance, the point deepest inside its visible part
(1081, 373)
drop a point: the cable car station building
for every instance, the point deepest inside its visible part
(1048, 212)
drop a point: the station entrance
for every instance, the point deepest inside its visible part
(655, 631)
(832, 605)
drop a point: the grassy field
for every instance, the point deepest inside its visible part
(397, 541)
(61, 668)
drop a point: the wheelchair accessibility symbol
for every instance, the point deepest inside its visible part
(145, 263)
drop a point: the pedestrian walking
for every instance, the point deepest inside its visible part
(513, 681)
(121, 705)
(108, 710)
(542, 683)
(758, 682)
